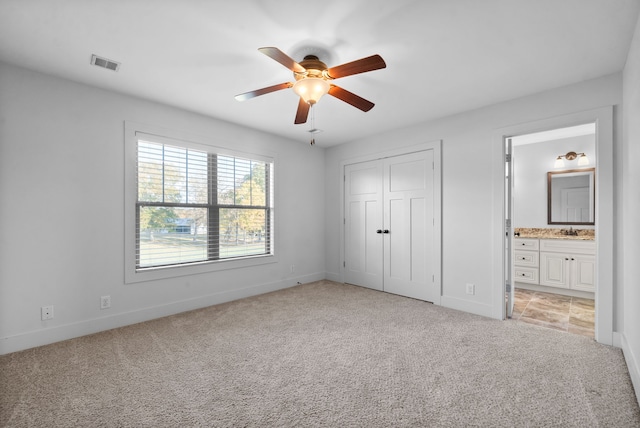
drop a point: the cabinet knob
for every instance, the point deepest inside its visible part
(572, 258)
(379, 231)
(566, 258)
(385, 231)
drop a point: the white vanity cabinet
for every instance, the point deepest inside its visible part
(568, 264)
(526, 260)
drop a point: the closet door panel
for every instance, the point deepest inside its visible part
(363, 218)
(396, 261)
(408, 202)
(418, 241)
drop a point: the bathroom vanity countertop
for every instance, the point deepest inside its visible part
(542, 233)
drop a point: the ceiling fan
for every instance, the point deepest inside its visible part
(312, 80)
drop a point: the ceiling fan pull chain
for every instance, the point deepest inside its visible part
(313, 124)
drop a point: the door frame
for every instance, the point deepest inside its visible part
(436, 146)
(510, 283)
(603, 118)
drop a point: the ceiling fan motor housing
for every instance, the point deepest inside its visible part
(314, 68)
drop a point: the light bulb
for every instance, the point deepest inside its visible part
(559, 162)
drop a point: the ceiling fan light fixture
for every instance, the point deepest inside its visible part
(311, 89)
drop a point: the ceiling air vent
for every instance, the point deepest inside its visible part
(104, 63)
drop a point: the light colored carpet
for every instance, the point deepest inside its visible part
(320, 354)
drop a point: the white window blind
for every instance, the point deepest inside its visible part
(195, 206)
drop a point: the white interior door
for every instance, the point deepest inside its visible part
(390, 240)
(575, 205)
(409, 223)
(363, 220)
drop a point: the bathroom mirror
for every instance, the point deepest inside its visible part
(571, 197)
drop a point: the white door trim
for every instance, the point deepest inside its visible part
(436, 146)
(603, 117)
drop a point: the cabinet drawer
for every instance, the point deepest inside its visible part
(524, 274)
(526, 244)
(526, 258)
(568, 246)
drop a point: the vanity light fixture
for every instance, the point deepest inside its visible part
(582, 161)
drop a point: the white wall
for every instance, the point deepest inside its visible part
(61, 163)
(470, 163)
(62, 210)
(630, 202)
(531, 162)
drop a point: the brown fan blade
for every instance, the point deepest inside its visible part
(350, 98)
(258, 92)
(283, 58)
(374, 62)
(303, 112)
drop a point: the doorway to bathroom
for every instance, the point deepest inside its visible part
(551, 179)
(565, 257)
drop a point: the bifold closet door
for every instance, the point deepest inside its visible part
(389, 225)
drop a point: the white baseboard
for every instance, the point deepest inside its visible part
(50, 335)
(333, 276)
(632, 365)
(466, 306)
(555, 290)
(617, 340)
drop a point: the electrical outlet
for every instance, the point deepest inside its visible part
(105, 302)
(471, 289)
(46, 313)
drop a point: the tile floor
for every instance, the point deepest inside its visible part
(571, 314)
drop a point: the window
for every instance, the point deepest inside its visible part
(195, 205)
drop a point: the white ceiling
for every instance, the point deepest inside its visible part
(443, 56)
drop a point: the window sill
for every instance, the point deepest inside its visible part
(164, 272)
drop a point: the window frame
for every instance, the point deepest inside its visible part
(135, 131)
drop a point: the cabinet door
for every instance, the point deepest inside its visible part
(583, 272)
(554, 269)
